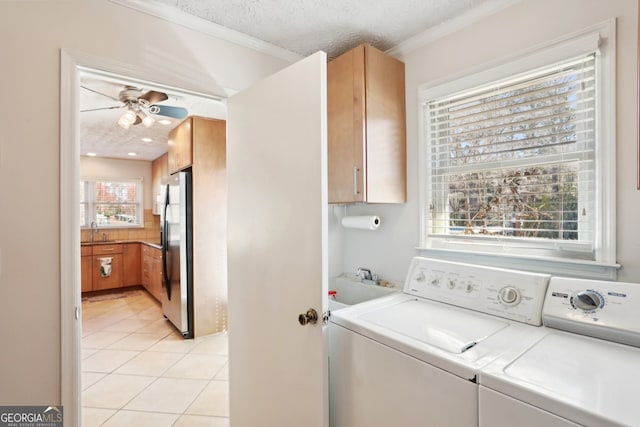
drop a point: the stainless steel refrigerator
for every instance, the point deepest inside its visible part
(177, 253)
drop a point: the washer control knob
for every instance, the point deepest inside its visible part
(451, 283)
(509, 295)
(420, 277)
(587, 300)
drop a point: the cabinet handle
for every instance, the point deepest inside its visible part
(108, 249)
(355, 180)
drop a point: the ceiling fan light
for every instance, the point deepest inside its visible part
(127, 118)
(124, 122)
(130, 116)
(147, 121)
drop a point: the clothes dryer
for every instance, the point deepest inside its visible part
(584, 369)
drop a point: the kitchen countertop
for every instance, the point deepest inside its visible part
(152, 243)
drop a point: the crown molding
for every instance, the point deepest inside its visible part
(176, 16)
(475, 14)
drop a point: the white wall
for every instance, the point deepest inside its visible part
(95, 167)
(32, 34)
(525, 24)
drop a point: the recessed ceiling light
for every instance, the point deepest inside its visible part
(132, 154)
(91, 154)
(164, 122)
(147, 139)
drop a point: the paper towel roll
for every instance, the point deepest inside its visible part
(369, 222)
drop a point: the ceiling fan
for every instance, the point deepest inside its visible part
(140, 106)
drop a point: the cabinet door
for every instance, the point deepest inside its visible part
(104, 279)
(180, 149)
(155, 284)
(146, 271)
(86, 273)
(345, 130)
(385, 128)
(131, 274)
(159, 176)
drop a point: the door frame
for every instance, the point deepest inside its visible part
(71, 63)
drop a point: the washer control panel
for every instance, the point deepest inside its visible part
(598, 308)
(515, 295)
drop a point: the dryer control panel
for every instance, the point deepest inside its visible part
(511, 294)
(598, 308)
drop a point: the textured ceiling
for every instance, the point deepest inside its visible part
(300, 26)
(335, 26)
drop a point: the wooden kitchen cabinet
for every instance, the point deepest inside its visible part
(155, 285)
(159, 177)
(145, 269)
(152, 270)
(131, 259)
(209, 172)
(180, 154)
(114, 278)
(86, 270)
(366, 127)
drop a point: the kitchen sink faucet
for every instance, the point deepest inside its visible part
(94, 229)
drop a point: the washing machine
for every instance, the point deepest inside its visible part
(413, 358)
(585, 368)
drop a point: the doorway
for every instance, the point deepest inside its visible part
(72, 65)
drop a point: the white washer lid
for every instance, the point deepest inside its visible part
(583, 379)
(435, 325)
(504, 333)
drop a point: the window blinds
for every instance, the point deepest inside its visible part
(516, 159)
(111, 203)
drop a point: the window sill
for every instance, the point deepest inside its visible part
(553, 266)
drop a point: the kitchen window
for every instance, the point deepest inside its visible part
(521, 164)
(111, 203)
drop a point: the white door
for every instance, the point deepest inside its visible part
(277, 248)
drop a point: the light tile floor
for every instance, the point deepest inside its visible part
(137, 370)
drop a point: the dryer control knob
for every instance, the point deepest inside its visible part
(509, 295)
(587, 300)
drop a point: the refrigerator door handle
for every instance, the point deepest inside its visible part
(165, 247)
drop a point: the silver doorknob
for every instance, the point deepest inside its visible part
(311, 316)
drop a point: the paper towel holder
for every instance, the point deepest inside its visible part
(362, 222)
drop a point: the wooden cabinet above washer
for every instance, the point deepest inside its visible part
(366, 127)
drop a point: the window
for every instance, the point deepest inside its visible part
(111, 203)
(520, 164)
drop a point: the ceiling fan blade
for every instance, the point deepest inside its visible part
(103, 108)
(153, 97)
(168, 111)
(100, 93)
